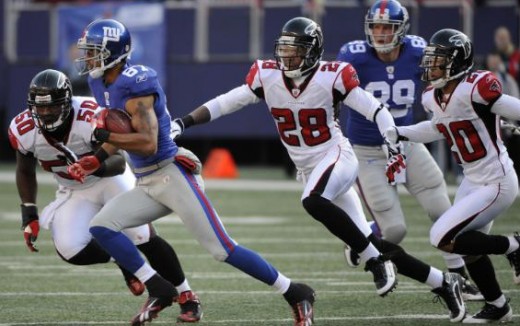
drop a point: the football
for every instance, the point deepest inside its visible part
(118, 121)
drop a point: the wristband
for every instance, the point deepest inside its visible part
(101, 155)
(29, 213)
(101, 135)
(188, 121)
(101, 170)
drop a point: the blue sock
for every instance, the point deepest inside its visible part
(253, 264)
(119, 247)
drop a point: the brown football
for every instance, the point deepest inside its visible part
(118, 121)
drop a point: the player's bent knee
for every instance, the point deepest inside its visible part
(471, 259)
(394, 234)
(92, 253)
(104, 223)
(314, 204)
(219, 255)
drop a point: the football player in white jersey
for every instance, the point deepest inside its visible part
(466, 107)
(302, 94)
(54, 131)
(388, 67)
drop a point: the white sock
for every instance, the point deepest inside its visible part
(513, 245)
(435, 278)
(369, 252)
(282, 283)
(185, 286)
(500, 302)
(145, 272)
(453, 261)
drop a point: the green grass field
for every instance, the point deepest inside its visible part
(40, 289)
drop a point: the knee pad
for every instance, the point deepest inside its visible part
(314, 204)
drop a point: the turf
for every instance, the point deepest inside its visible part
(40, 289)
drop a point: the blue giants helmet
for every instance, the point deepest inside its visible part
(389, 12)
(106, 42)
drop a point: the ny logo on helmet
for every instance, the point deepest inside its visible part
(111, 33)
(461, 40)
(382, 14)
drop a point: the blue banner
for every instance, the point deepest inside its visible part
(144, 21)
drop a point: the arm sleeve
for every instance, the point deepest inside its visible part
(422, 132)
(507, 106)
(231, 101)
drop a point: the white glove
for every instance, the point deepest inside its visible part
(177, 128)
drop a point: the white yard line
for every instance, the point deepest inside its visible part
(216, 184)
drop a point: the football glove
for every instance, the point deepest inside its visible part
(85, 166)
(177, 128)
(189, 160)
(30, 225)
(98, 126)
(396, 169)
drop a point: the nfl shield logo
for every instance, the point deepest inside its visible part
(295, 92)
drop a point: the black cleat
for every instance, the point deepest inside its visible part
(301, 299)
(514, 261)
(151, 309)
(191, 310)
(451, 293)
(491, 314)
(384, 274)
(471, 292)
(351, 256)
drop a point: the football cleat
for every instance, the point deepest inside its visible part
(191, 310)
(514, 261)
(384, 274)
(351, 256)
(303, 309)
(151, 309)
(451, 293)
(471, 292)
(491, 314)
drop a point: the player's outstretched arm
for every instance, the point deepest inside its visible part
(224, 104)
(422, 132)
(507, 106)
(27, 189)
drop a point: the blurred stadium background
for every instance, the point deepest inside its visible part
(202, 48)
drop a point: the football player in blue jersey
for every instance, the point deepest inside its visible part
(388, 66)
(53, 131)
(165, 183)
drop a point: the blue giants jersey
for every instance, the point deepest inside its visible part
(397, 84)
(137, 81)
